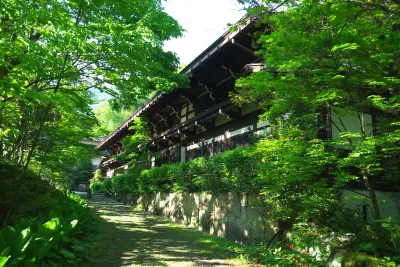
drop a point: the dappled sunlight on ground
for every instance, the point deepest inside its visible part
(130, 238)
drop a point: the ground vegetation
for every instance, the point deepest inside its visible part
(40, 225)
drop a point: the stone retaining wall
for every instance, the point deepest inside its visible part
(238, 217)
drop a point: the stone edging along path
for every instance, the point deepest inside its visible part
(124, 237)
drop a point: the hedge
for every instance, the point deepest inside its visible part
(232, 171)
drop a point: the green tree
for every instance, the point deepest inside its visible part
(136, 148)
(109, 119)
(329, 57)
(52, 53)
(97, 177)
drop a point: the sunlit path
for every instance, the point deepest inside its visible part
(129, 238)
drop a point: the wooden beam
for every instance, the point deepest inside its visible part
(225, 80)
(231, 76)
(163, 143)
(164, 140)
(230, 114)
(244, 48)
(162, 119)
(174, 139)
(234, 115)
(189, 132)
(205, 125)
(208, 90)
(153, 126)
(174, 111)
(188, 99)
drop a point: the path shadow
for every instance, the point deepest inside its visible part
(129, 238)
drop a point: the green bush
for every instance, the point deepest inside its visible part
(40, 225)
(23, 194)
(108, 187)
(97, 177)
(97, 187)
(292, 177)
(158, 179)
(120, 184)
(180, 178)
(52, 239)
(229, 171)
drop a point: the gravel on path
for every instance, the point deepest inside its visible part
(125, 237)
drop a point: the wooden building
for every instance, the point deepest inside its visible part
(201, 120)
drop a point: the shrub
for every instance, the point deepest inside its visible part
(41, 226)
(23, 194)
(51, 239)
(232, 171)
(120, 184)
(237, 168)
(108, 187)
(180, 178)
(96, 187)
(97, 177)
(203, 174)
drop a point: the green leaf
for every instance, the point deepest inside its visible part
(78, 247)
(3, 260)
(9, 234)
(67, 254)
(26, 233)
(53, 224)
(5, 252)
(345, 47)
(398, 233)
(370, 247)
(74, 223)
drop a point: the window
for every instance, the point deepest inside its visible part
(187, 112)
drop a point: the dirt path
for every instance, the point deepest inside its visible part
(129, 238)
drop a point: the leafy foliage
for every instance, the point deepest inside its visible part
(220, 173)
(42, 226)
(135, 146)
(326, 60)
(96, 184)
(44, 241)
(96, 187)
(109, 119)
(97, 176)
(54, 53)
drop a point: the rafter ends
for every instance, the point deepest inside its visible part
(233, 114)
(204, 125)
(189, 133)
(174, 139)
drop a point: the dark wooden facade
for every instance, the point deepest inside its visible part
(201, 120)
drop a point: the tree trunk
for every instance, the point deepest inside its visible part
(36, 139)
(374, 201)
(46, 114)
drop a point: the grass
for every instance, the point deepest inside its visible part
(210, 244)
(126, 237)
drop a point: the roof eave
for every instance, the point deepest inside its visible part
(226, 37)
